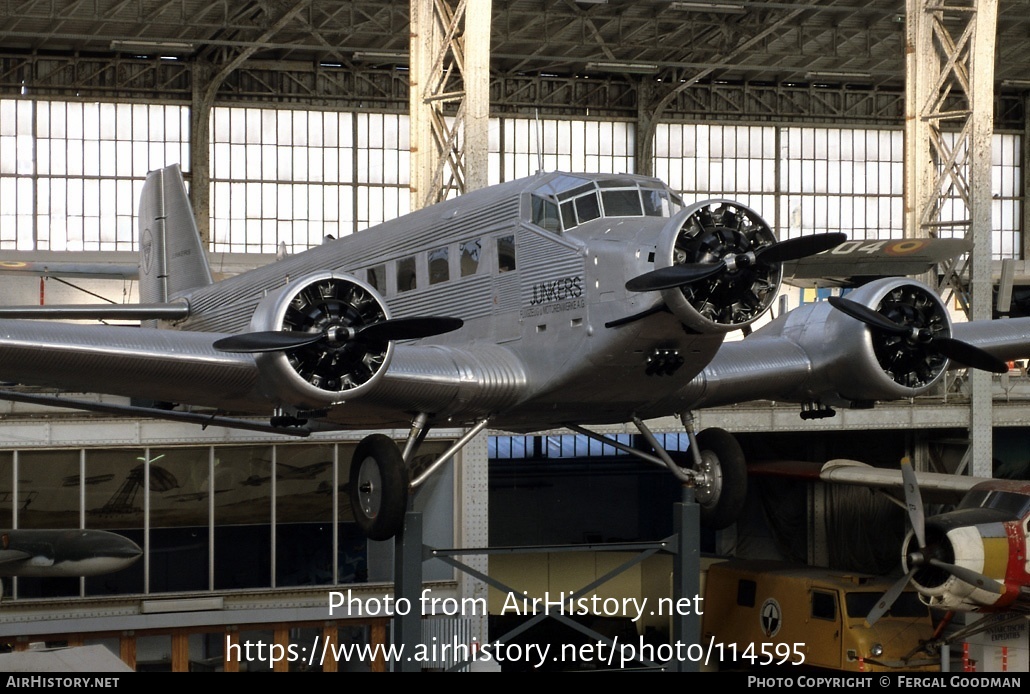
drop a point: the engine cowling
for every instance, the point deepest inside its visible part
(321, 374)
(709, 232)
(885, 366)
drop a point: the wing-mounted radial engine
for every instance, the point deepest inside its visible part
(325, 338)
(905, 332)
(718, 265)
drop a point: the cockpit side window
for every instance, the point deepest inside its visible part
(656, 203)
(587, 207)
(545, 214)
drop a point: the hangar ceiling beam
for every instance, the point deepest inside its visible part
(949, 124)
(450, 98)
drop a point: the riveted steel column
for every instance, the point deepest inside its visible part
(949, 124)
(449, 98)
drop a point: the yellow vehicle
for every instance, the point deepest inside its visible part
(774, 613)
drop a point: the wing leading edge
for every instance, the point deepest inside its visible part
(183, 367)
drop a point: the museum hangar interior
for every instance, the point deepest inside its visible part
(297, 123)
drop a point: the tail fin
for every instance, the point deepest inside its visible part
(172, 259)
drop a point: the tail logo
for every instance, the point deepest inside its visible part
(147, 246)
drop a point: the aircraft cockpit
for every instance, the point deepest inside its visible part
(566, 201)
(1014, 503)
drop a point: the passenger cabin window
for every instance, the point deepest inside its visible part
(406, 274)
(439, 266)
(376, 276)
(505, 253)
(824, 605)
(468, 254)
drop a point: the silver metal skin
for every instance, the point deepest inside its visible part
(536, 270)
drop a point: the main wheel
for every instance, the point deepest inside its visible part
(722, 495)
(378, 487)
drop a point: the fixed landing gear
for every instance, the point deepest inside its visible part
(381, 480)
(722, 487)
(378, 487)
(717, 472)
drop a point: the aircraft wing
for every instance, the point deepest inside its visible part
(854, 263)
(934, 486)
(826, 355)
(184, 367)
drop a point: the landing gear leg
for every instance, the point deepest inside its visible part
(722, 471)
(380, 481)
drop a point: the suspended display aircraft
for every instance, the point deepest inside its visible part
(970, 559)
(69, 552)
(556, 300)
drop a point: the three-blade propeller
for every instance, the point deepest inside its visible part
(381, 332)
(782, 251)
(956, 350)
(923, 556)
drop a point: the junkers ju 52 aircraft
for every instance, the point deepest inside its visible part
(557, 300)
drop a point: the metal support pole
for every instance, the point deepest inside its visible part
(686, 581)
(407, 627)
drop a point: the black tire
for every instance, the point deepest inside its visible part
(722, 502)
(378, 487)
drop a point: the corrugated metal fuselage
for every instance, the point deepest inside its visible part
(551, 312)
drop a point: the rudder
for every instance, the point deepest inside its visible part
(172, 259)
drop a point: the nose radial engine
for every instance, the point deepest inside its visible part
(719, 265)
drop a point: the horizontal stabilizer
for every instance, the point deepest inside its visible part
(63, 268)
(168, 311)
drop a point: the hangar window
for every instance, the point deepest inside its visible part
(406, 277)
(439, 266)
(468, 253)
(505, 253)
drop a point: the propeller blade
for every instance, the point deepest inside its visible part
(969, 576)
(888, 599)
(792, 249)
(970, 355)
(914, 501)
(407, 328)
(383, 331)
(673, 276)
(863, 313)
(267, 341)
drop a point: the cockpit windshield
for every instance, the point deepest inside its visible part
(1016, 504)
(568, 201)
